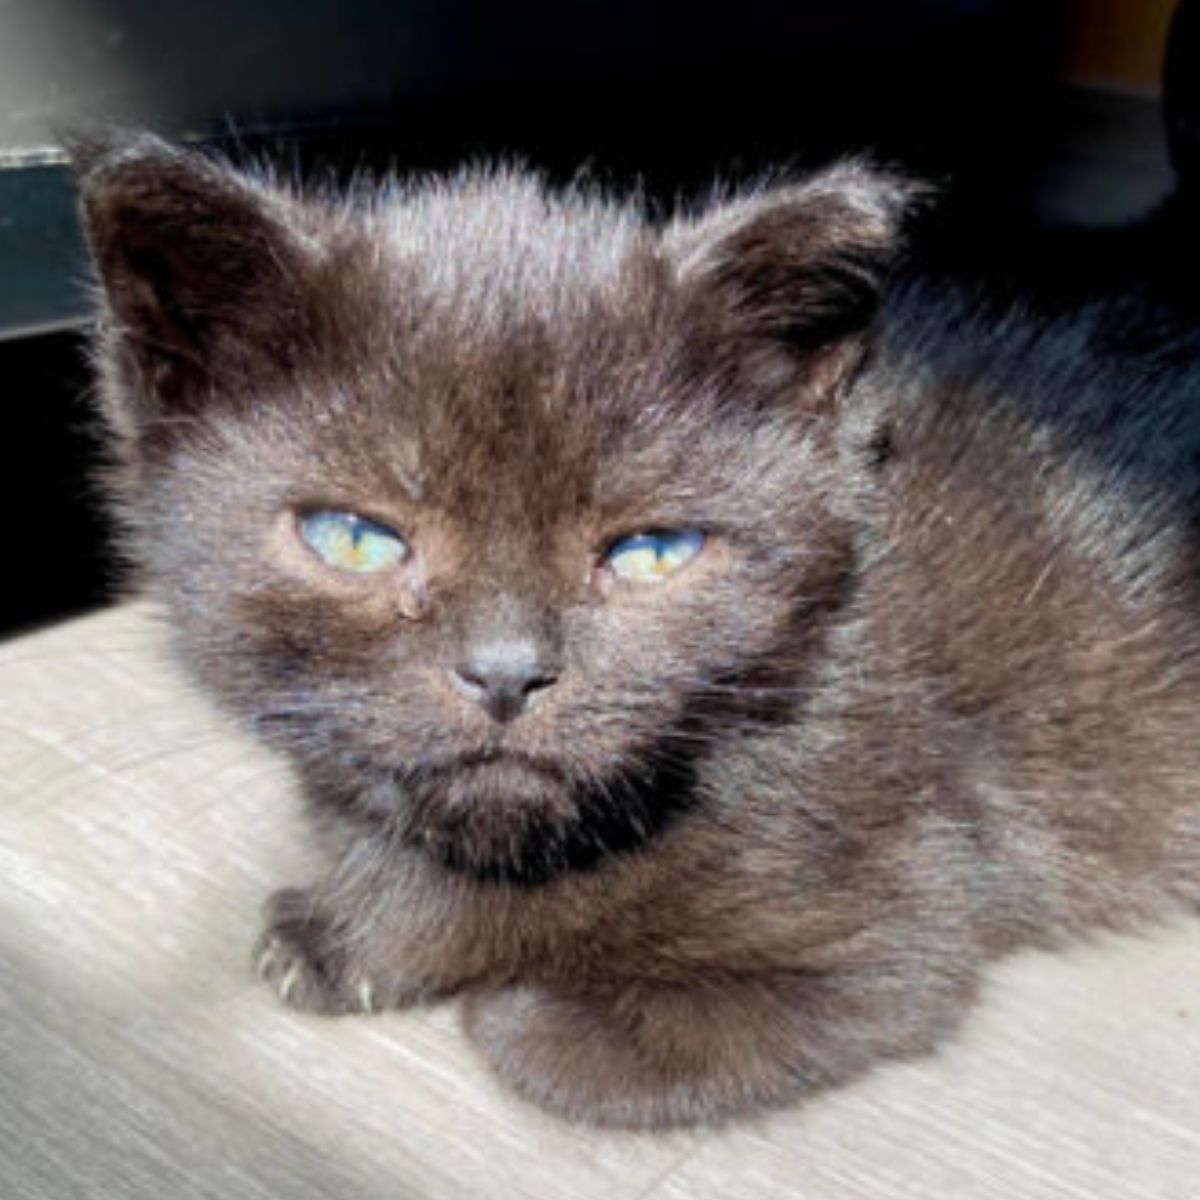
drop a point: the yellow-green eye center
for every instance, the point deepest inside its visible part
(649, 557)
(351, 543)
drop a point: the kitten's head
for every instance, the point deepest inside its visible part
(500, 510)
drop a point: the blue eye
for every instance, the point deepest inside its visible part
(352, 543)
(649, 557)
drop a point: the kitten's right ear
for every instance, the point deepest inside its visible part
(785, 281)
(198, 265)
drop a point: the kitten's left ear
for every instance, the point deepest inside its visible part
(200, 270)
(786, 281)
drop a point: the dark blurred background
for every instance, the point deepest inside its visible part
(1039, 115)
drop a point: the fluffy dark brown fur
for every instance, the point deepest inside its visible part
(929, 691)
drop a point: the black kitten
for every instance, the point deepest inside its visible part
(701, 656)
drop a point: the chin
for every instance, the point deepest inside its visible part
(493, 817)
(514, 821)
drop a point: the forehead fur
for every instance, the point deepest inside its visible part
(458, 323)
(494, 275)
(500, 238)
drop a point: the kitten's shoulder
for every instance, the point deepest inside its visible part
(1114, 374)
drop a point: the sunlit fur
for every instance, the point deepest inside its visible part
(927, 690)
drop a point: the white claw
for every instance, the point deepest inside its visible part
(366, 996)
(288, 981)
(266, 960)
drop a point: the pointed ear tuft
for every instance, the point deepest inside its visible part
(198, 265)
(795, 273)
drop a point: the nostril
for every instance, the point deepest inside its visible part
(539, 682)
(470, 682)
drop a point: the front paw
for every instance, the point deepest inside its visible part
(298, 955)
(583, 1061)
(656, 1057)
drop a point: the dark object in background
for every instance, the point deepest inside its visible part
(56, 558)
(1181, 93)
(1153, 255)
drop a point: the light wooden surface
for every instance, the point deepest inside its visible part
(140, 1058)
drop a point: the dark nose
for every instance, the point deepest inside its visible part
(502, 678)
